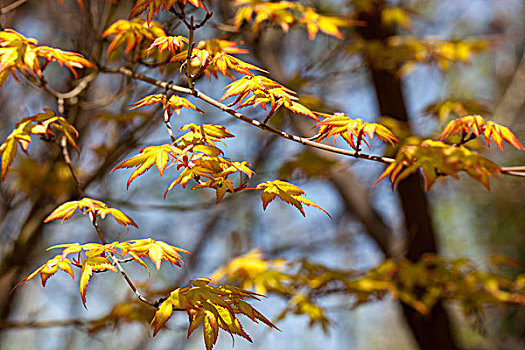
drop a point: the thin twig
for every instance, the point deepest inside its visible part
(116, 262)
(188, 57)
(167, 117)
(11, 7)
(43, 324)
(198, 94)
(93, 217)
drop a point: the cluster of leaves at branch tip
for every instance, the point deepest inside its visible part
(20, 53)
(93, 257)
(213, 307)
(43, 124)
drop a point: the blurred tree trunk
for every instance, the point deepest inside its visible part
(430, 331)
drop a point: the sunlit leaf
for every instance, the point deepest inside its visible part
(49, 269)
(88, 205)
(213, 307)
(476, 125)
(287, 192)
(435, 159)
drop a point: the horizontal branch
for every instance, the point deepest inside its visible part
(200, 95)
(514, 171)
(12, 6)
(45, 324)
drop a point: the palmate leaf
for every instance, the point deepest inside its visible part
(287, 192)
(171, 43)
(88, 205)
(213, 56)
(213, 307)
(173, 104)
(17, 52)
(155, 250)
(49, 269)
(161, 156)
(476, 125)
(93, 263)
(435, 159)
(154, 6)
(39, 124)
(20, 53)
(225, 63)
(353, 131)
(132, 33)
(259, 90)
(71, 60)
(287, 14)
(202, 134)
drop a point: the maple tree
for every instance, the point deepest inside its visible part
(139, 69)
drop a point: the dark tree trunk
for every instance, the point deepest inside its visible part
(430, 331)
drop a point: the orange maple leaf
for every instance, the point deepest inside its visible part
(49, 269)
(161, 156)
(174, 103)
(435, 159)
(155, 250)
(133, 33)
(40, 124)
(88, 205)
(287, 192)
(476, 125)
(350, 129)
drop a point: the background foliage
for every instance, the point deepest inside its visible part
(363, 268)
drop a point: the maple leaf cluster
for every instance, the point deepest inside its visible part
(287, 14)
(420, 284)
(476, 125)
(258, 91)
(214, 307)
(44, 124)
(435, 159)
(133, 33)
(353, 130)
(197, 155)
(20, 53)
(94, 257)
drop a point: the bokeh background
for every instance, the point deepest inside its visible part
(471, 221)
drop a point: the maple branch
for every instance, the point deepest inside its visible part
(83, 83)
(93, 217)
(11, 7)
(117, 264)
(67, 160)
(188, 57)
(200, 95)
(44, 324)
(302, 140)
(167, 117)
